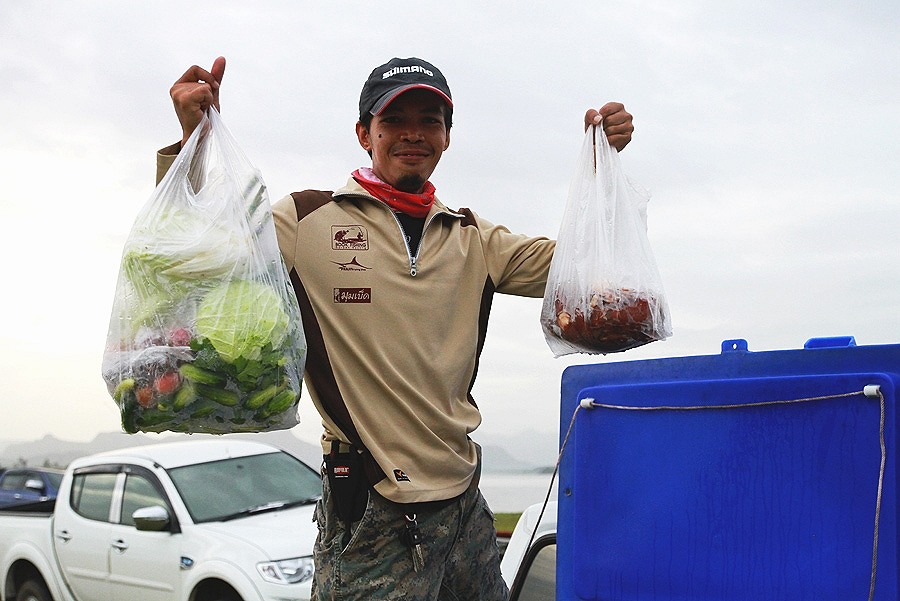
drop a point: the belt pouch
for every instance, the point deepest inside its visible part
(347, 481)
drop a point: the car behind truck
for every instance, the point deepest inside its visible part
(29, 484)
(203, 520)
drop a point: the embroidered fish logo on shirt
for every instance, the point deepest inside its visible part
(353, 265)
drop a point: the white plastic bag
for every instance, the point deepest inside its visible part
(205, 332)
(604, 293)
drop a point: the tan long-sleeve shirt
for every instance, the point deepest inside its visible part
(394, 336)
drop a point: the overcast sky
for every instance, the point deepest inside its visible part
(767, 132)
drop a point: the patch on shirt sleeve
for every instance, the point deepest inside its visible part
(401, 476)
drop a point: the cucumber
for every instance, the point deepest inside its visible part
(129, 410)
(219, 395)
(204, 409)
(200, 375)
(186, 395)
(153, 418)
(261, 397)
(123, 387)
(282, 401)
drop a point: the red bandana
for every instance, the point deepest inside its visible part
(415, 205)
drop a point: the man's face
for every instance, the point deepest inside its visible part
(407, 139)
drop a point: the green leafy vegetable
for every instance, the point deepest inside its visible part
(241, 318)
(181, 244)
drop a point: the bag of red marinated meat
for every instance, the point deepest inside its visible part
(604, 293)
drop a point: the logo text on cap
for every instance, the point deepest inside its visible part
(410, 69)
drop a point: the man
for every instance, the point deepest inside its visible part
(395, 291)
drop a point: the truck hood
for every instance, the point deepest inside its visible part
(279, 534)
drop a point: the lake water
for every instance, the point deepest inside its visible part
(513, 493)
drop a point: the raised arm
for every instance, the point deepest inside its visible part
(194, 92)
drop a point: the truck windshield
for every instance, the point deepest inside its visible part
(243, 486)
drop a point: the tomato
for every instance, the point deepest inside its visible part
(180, 337)
(168, 382)
(144, 396)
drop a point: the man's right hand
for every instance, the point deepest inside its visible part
(193, 94)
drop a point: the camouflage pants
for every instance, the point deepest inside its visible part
(459, 547)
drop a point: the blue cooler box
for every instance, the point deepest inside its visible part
(742, 476)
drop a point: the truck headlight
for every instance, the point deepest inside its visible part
(287, 571)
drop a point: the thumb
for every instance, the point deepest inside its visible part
(218, 69)
(592, 117)
(217, 72)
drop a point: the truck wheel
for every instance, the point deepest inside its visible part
(33, 590)
(220, 592)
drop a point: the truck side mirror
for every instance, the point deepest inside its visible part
(35, 485)
(151, 519)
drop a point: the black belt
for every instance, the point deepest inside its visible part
(345, 450)
(425, 506)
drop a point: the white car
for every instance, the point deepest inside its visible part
(530, 569)
(201, 520)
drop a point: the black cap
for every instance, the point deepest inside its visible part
(396, 76)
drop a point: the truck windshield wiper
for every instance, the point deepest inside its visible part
(266, 507)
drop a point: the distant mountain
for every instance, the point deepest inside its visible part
(538, 450)
(522, 452)
(497, 459)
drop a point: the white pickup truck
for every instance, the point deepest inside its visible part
(200, 520)
(529, 562)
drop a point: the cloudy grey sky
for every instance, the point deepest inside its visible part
(767, 132)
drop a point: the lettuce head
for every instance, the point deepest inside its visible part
(241, 317)
(180, 244)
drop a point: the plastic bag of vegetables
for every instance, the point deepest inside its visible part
(205, 332)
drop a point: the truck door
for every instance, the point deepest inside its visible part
(144, 564)
(81, 533)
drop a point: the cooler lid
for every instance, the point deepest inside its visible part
(738, 476)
